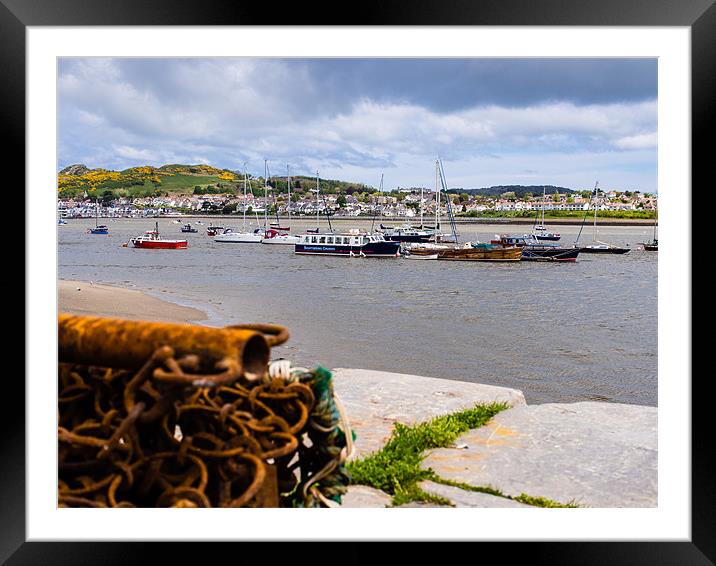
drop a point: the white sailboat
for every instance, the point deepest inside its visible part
(597, 246)
(245, 235)
(540, 230)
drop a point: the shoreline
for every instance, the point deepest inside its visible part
(428, 224)
(92, 299)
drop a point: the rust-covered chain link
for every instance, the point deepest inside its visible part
(188, 427)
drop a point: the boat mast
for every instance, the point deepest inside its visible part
(318, 190)
(421, 208)
(288, 182)
(544, 196)
(265, 193)
(451, 216)
(244, 228)
(437, 199)
(375, 209)
(596, 201)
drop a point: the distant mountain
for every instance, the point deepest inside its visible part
(519, 190)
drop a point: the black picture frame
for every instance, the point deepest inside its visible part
(698, 15)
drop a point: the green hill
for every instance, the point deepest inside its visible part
(75, 180)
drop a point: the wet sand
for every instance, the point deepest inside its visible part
(85, 298)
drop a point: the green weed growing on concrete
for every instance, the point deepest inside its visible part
(395, 468)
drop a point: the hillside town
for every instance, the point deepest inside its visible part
(399, 203)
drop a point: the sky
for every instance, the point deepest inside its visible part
(568, 122)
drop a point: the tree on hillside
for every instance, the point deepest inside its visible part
(341, 201)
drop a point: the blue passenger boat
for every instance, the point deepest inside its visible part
(348, 244)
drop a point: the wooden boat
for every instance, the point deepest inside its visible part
(152, 240)
(422, 251)
(480, 252)
(468, 251)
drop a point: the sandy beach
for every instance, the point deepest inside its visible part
(84, 298)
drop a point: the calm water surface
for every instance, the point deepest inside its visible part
(558, 332)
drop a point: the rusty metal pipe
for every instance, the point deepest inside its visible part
(128, 344)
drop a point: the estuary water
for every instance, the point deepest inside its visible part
(558, 332)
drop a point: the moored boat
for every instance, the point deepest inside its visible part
(152, 240)
(653, 245)
(468, 251)
(212, 230)
(98, 228)
(540, 230)
(406, 234)
(349, 244)
(480, 252)
(603, 248)
(278, 234)
(535, 250)
(275, 237)
(188, 228)
(240, 236)
(541, 233)
(597, 246)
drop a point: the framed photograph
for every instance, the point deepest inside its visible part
(440, 133)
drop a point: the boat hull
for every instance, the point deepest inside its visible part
(610, 250)
(160, 245)
(280, 240)
(421, 256)
(239, 238)
(480, 254)
(550, 237)
(371, 249)
(554, 254)
(408, 238)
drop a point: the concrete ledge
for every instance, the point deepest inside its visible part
(376, 400)
(361, 496)
(593, 454)
(463, 498)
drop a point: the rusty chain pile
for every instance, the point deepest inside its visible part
(202, 422)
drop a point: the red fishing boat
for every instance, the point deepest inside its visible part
(152, 240)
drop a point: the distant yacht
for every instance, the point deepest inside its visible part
(98, 228)
(540, 230)
(277, 234)
(598, 247)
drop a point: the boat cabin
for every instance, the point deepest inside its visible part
(349, 239)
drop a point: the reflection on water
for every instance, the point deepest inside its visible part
(558, 332)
